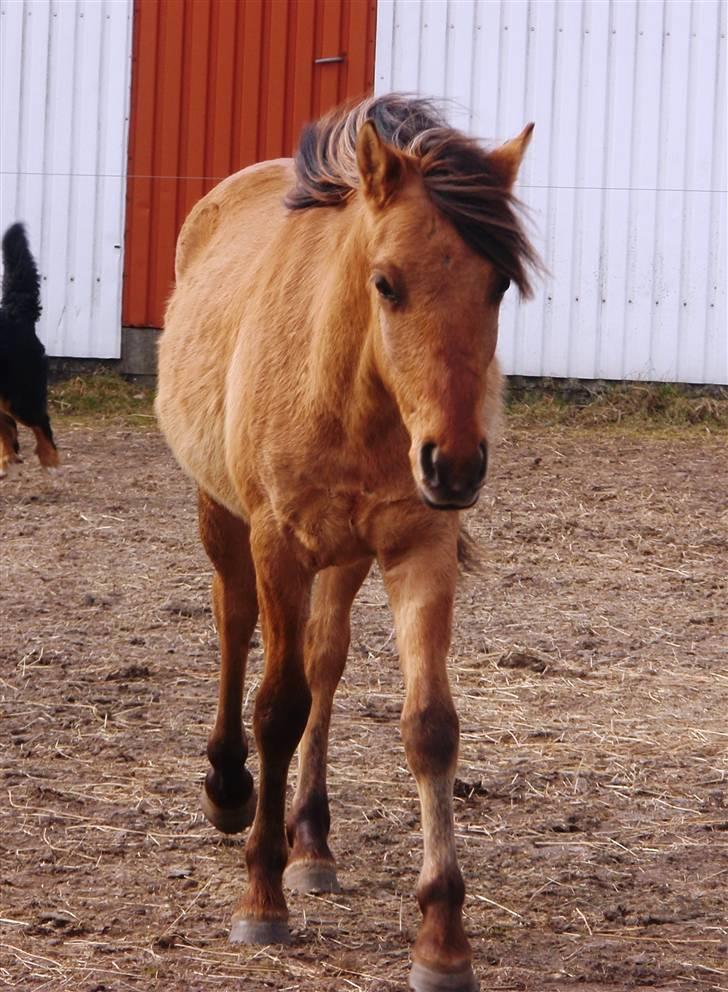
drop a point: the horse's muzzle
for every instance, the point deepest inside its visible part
(448, 483)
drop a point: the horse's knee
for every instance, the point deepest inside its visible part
(281, 712)
(430, 732)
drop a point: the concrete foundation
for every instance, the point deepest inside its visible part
(139, 352)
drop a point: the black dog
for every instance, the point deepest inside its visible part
(23, 362)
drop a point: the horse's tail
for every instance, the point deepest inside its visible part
(470, 558)
(21, 285)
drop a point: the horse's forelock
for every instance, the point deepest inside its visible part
(456, 172)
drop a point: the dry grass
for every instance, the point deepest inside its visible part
(101, 396)
(105, 395)
(644, 406)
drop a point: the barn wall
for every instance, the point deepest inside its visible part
(64, 93)
(219, 85)
(625, 178)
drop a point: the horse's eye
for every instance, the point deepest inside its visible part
(385, 289)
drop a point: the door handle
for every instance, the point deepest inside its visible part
(329, 59)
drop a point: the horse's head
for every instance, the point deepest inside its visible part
(442, 249)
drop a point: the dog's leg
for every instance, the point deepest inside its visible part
(45, 446)
(9, 447)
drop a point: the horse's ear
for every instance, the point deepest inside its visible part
(506, 160)
(381, 169)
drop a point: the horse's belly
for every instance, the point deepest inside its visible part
(193, 425)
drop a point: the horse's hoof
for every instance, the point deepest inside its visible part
(232, 820)
(311, 876)
(424, 979)
(248, 930)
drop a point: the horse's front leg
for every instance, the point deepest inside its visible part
(228, 798)
(421, 586)
(282, 706)
(311, 865)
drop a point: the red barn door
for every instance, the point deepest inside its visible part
(217, 85)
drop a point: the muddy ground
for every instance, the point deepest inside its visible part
(590, 673)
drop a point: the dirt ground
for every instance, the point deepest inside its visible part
(591, 677)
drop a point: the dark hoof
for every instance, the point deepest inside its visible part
(311, 876)
(246, 930)
(424, 979)
(229, 820)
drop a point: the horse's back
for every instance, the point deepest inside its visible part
(257, 187)
(218, 249)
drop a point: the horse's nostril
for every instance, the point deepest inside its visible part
(483, 461)
(428, 463)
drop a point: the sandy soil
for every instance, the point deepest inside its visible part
(591, 678)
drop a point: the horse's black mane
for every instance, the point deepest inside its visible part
(456, 171)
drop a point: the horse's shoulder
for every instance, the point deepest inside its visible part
(247, 186)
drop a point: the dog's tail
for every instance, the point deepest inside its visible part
(21, 285)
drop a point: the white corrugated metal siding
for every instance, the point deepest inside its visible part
(626, 174)
(64, 96)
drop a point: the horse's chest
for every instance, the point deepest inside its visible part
(326, 523)
(330, 505)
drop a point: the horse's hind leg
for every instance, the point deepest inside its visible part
(311, 866)
(282, 705)
(228, 798)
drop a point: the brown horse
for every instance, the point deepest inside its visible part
(327, 377)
